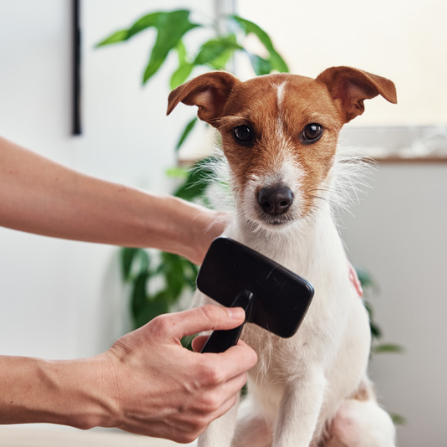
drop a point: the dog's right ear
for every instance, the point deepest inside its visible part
(209, 92)
(349, 87)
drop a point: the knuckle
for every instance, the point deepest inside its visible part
(249, 357)
(210, 403)
(234, 400)
(201, 424)
(211, 375)
(213, 313)
(160, 325)
(252, 357)
(243, 379)
(198, 425)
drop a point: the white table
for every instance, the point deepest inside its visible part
(26, 436)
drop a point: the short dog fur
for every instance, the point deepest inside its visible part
(279, 137)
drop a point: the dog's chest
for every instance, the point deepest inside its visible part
(317, 256)
(277, 357)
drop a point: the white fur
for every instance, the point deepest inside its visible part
(303, 383)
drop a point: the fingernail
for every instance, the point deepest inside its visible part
(236, 313)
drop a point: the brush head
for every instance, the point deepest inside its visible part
(280, 297)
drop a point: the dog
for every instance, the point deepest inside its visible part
(279, 137)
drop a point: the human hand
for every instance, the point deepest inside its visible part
(163, 390)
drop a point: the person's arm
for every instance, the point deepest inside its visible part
(147, 383)
(43, 197)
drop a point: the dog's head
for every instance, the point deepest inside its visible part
(279, 132)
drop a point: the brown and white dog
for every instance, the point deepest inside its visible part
(279, 136)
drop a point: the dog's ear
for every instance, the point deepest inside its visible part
(209, 92)
(351, 87)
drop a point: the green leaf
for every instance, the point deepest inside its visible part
(180, 75)
(189, 127)
(398, 419)
(139, 294)
(172, 269)
(184, 69)
(116, 37)
(221, 62)
(214, 48)
(278, 63)
(248, 27)
(187, 341)
(177, 172)
(260, 65)
(146, 22)
(387, 347)
(171, 27)
(129, 258)
(364, 277)
(151, 309)
(190, 271)
(251, 28)
(181, 52)
(141, 24)
(197, 181)
(375, 330)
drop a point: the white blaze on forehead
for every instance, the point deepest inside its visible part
(280, 94)
(280, 88)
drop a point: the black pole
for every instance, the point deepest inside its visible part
(76, 39)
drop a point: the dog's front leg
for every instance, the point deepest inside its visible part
(299, 410)
(221, 431)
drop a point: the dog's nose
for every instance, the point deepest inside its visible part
(275, 200)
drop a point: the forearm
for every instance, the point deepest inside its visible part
(42, 197)
(59, 392)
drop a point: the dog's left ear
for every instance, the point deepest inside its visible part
(351, 87)
(209, 92)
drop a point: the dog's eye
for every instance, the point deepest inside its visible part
(312, 133)
(243, 134)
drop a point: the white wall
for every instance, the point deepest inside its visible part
(399, 234)
(63, 299)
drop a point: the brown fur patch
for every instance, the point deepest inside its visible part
(364, 392)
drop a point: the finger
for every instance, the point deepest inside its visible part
(225, 407)
(198, 343)
(203, 318)
(233, 386)
(233, 362)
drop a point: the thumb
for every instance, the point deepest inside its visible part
(205, 318)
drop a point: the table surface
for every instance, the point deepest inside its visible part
(26, 436)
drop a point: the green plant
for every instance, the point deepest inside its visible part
(215, 53)
(158, 281)
(371, 289)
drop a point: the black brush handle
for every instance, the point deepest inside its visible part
(220, 341)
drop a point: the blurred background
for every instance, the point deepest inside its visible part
(64, 299)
